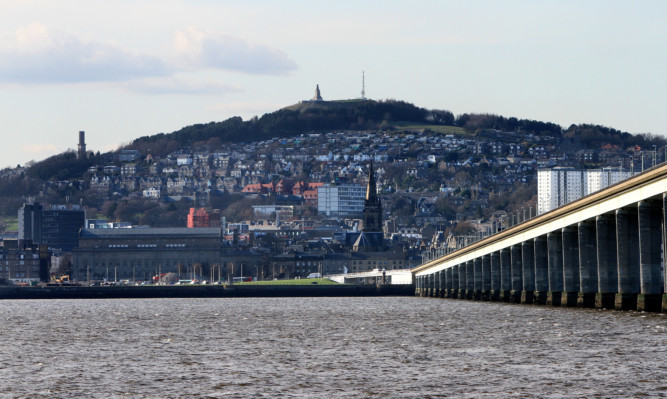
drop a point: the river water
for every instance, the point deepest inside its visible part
(387, 347)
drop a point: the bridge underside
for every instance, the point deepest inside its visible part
(605, 252)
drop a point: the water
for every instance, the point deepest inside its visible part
(326, 348)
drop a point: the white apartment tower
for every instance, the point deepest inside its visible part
(559, 186)
(345, 200)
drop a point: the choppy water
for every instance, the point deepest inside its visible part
(326, 348)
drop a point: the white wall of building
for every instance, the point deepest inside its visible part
(559, 186)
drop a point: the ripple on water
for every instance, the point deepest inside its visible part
(326, 347)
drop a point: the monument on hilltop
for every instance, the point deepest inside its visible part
(318, 96)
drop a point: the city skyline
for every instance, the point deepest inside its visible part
(127, 69)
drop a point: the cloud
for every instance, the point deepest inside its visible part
(179, 85)
(35, 54)
(39, 148)
(200, 48)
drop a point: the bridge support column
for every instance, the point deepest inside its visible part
(505, 275)
(607, 267)
(448, 282)
(627, 247)
(433, 277)
(541, 270)
(441, 289)
(470, 279)
(650, 264)
(463, 284)
(486, 277)
(588, 262)
(517, 271)
(418, 281)
(555, 265)
(570, 266)
(456, 282)
(528, 271)
(664, 246)
(477, 279)
(495, 276)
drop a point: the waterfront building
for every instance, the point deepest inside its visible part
(56, 226)
(141, 253)
(23, 264)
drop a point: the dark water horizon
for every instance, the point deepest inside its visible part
(379, 347)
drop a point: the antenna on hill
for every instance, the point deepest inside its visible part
(363, 85)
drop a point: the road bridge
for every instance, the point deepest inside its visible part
(605, 250)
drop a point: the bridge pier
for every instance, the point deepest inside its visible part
(664, 246)
(627, 247)
(588, 280)
(505, 275)
(448, 283)
(555, 266)
(454, 293)
(570, 267)
(541, 270)
(516, 270)
(477, 279)
(486, 277)
(463, 284)
(650, 265)
(470, 279)
(607, 261)
(494, 260)
(528, 272)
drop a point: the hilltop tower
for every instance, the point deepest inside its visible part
(81, 154)
(363, 85)
(318, 96)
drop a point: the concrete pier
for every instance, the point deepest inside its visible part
(664, 246)
(462, 281)
(477, 279)
(650, 263)
(570, 266)
(555, 265)
(588, 263)
(495, 276)
(505, 275)
(627, 247)
(470, 279)
(449, 280)
(541, 270)
(607, 265)
(528, 271)
(486, 277)
(516, 267)
(456, 283)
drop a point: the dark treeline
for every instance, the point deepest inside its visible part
(362, 115)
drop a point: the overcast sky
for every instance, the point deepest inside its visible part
(123, 69)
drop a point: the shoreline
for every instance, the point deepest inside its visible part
(204, 291)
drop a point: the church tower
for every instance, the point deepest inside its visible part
(372, 215)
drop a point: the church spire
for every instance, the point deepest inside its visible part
(372, 205)
(371, 187)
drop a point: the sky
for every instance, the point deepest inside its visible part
(123, 69)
